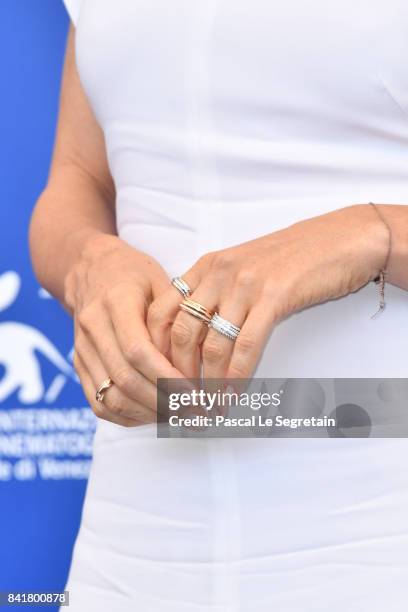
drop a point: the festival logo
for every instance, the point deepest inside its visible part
(20, 348)
(46, 428)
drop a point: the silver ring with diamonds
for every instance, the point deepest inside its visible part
(181, 286)
(224, 327)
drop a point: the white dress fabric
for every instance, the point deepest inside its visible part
(226, 120)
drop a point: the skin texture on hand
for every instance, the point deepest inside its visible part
(109, 291)
(256, 284)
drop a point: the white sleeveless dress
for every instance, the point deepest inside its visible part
(225, 120)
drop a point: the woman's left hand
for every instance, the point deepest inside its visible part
(256, 284)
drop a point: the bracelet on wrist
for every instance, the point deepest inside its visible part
(381, 278)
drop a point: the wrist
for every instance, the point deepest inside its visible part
(354, 238)
(85, 247)
(371, 238)
(334, 254)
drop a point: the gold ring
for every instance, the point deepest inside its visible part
(196, 310)
(100, 394)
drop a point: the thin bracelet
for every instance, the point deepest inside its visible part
(380, 279)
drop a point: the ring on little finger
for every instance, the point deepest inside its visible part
(103, 387)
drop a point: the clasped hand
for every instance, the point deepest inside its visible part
(129, 325)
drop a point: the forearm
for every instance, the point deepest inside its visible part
(71, 211)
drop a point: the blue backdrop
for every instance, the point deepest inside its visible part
(45, 427)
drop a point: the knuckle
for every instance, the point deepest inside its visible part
(110, 296)
(98, 410)
(213, 351)
(140, 414)
(76, 362)
(205, 260)
(238, 371)
(245, 344)
(86, 317)
(269, 290)
(246, 278)
(80, 349)
(115, 294)
(128, 423)
(155, 314)
(126, 380)
(134, 353)
(223, 261)
(181, 334)
(116, 405)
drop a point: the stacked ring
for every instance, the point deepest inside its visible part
(196, 310)
(181, 286)
(224, 327)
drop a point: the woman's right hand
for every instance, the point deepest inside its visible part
(108, 290)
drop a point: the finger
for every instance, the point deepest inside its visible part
(251, 341)
(100, 410)
(128, 320)
(99, 331)
(217, 349)
(188, 332)
(160, 317)
(115, 400)
(164, 309)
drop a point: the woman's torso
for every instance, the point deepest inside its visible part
(226, 120)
